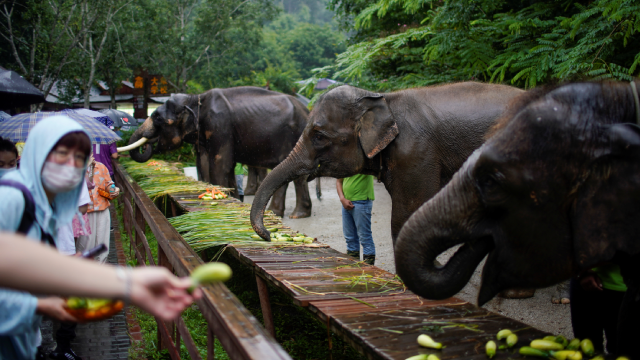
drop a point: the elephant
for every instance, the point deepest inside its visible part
(553, 192)
(247, 125)
(413, 140)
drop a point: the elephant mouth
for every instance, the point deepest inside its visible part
(153, 142)
(313, 174)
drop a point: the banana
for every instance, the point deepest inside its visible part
(427, 341)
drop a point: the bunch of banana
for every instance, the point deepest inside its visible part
(280, 236)
(85, 309)
(549, 347)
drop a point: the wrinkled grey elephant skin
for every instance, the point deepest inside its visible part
(552, 193)
(247, 125)
(413, 140)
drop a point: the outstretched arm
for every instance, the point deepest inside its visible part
(27, 265)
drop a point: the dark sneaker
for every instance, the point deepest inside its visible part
(369, 259)
(65, 354)
(355, 254)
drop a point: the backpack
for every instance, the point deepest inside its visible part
(29, 214)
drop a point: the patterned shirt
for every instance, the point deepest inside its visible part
(102, 180)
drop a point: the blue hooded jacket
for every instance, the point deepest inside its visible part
(19, 324)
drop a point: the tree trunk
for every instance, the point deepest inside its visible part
(112, 93)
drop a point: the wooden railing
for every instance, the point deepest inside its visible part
(240, 334)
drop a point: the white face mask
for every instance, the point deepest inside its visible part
(61, 178)
(4, 171)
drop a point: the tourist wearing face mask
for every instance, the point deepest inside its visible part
(8, 157)
(38, 198)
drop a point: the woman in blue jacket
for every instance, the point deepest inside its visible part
(51, 169)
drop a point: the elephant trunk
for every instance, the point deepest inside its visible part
(145, 131)
(445, 221)
(295, 165)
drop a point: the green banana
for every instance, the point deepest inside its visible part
(491, 349)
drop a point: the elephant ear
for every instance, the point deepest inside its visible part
(605, 214)
(188, 120)
(173, 109)
(377, 126)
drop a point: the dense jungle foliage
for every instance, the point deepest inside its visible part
(397, 44)
(379, 45)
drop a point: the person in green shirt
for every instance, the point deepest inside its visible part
(240, 171)
(596, 296)
(356, 196)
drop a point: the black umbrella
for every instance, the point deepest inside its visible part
(120, 118)
(16, 91)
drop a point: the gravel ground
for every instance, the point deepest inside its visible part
(326, 224)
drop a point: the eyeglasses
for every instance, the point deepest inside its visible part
(63, 156)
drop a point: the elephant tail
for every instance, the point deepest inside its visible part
(318, 189)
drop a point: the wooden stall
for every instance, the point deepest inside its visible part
(369, 307)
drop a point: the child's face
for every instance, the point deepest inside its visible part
(7, 159)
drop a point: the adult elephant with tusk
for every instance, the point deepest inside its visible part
(247, 125)
(412, 140)
(553, 193)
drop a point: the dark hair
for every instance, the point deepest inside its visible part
(76, 140)
(6, 145)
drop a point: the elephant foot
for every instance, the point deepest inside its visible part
(279, 212)
(517, 293)
(561, 295)
(251, 189)
(299, 214)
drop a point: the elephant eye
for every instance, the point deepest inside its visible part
(490, 186)
(488, 182)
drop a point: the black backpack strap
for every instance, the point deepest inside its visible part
(29, 214)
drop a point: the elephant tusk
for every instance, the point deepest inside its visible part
(134, 145)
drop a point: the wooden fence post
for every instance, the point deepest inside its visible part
(139, 244)
(211, 341)
(263, 292)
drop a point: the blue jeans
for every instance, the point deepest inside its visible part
(239, 179)
(356, 226)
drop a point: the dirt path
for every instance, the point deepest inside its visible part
(326, 224)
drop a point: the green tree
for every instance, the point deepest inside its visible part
(186, 38)
(37, 41)
(93, 42)
(113, 67)
(522, 43)
(296, 45)
(313, 46)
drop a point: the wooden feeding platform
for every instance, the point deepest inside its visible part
(367, 306)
